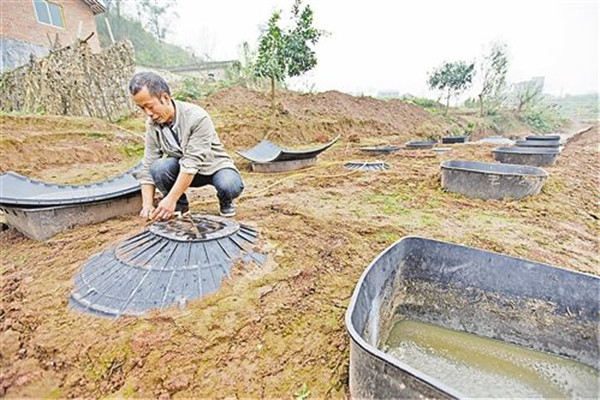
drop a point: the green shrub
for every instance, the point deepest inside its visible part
(423, 102)
(149, 51)
(470, 128)
(543, 119)
(189, 89)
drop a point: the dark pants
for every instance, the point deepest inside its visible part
(227, 181)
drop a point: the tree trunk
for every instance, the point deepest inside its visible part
(520, 107)
(481, 105)
(447, 102)
(272, 95)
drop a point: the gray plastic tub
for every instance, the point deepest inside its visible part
(420, 145)
(538, 143)
(41, 223)
(518, 301)
(380, 149)
(526, 155)
(543, 137)
(455, 139)
(491, 180)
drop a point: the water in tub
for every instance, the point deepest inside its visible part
(479, 367)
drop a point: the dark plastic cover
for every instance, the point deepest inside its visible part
(427, 144)
(367, 166)
(18, 190)
(158, 267)
(380, 149)
(266, 151)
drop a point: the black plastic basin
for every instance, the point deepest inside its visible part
(455, 139)
(526, 155)
(543, 137)
(518, 301)
(380, 149)
(422, 145)
(491, 180)
(538, 143)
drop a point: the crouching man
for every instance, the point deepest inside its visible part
(193, 154)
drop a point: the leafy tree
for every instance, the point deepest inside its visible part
(528, 94)
(286, 53)
(453, 78)
(149, 51)
(493, 68)
(156, 15)
(243, 74)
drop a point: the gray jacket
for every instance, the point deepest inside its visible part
(196, 143)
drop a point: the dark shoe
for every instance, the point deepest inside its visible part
(183, 211)
(227, 209)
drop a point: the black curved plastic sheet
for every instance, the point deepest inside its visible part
(267, 151)
(18, 190)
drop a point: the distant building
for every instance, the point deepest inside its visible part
(388, 94)
(208, 70)
(535, 82)
(35, 26)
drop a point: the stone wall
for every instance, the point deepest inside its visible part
(17, 52)
(72, 81)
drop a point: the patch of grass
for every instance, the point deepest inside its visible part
(98, 135)
(500, 123)
(553, 185)
(387, 237)
(54, 394)
(21, 113)
(133, 150)
(303, 393)
(108, 364)
(389, 204)
(127, 391)
(429, 220)
(21, 260)
(5, 142)
(133, 123)
(416, 219)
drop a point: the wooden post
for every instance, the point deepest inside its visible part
(112, 38)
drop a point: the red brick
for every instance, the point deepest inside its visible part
(19, 21)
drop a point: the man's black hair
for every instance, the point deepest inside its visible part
(155, 84)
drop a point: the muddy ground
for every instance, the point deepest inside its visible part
(277, 331)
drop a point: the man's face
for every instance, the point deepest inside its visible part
(159, 109)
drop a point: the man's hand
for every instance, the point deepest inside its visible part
(165, 209)
(146, 211)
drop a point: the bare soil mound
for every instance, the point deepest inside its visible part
(66, 149)
(243, 117)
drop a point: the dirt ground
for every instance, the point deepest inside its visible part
(275, 332)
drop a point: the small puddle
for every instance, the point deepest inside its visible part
(479, 367)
